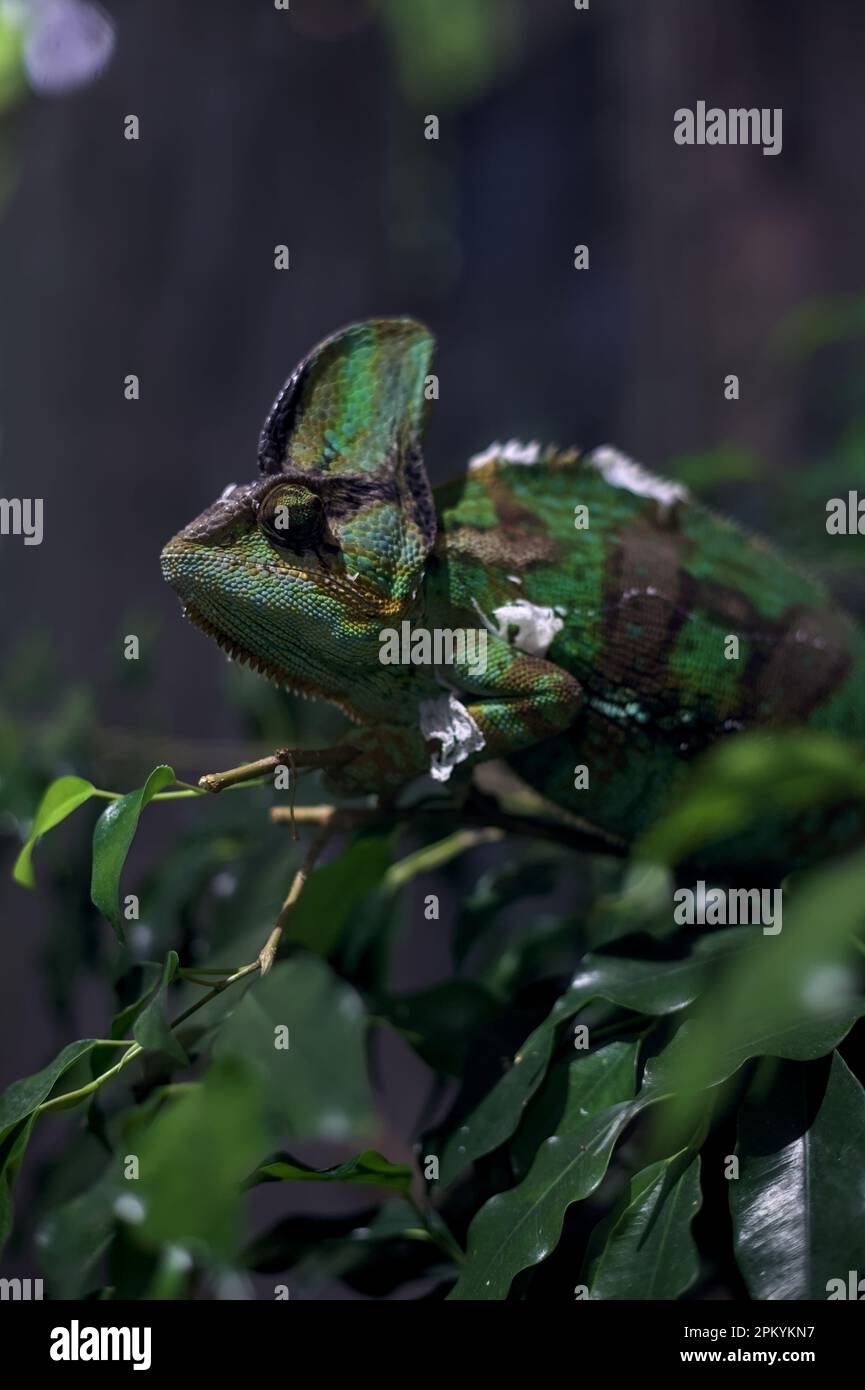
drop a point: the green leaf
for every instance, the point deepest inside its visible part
(112, 837)
(193, 1159)
(593, 1081)
(151, 1028)
(518, 1228)
(13, 1146)
(791, 994)
(316, 1086)
(521, 1227)
(125, 1017)
(75, 1235)
(642, 905)
(798, 1205)
(649, 1251)
(750, 780)
(333, 893)
(17, 1105)
(655, 987)
(295, 1238)
(365, 945)
(802, 1039)
(23, 1096)
(367, 1168)
(441, 1023)
(59, 801)
(497, 889)
(374, 1251)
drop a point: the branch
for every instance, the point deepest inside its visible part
(478, 810)
(291, 757)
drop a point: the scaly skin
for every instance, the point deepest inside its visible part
(605, 645)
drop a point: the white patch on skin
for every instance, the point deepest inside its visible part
(227, 491)
(512, 452)
(620, 471)
(443, 717)
(536, 626)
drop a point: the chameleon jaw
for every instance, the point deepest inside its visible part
(294, 684)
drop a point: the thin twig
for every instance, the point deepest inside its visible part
(240, 974)
(267, 954)
(297, 757)
(480, 813)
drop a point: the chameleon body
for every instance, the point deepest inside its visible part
(607, 597)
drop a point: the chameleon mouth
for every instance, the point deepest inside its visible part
(294, 684)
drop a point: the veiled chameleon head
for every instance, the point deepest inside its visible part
(298, 571)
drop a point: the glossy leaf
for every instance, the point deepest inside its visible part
(798, 1205)
(519, 1228)
(112, 837)
(648, 1251)
(798, 983)
(655, 987)
(591, 1082)
(516, 1229)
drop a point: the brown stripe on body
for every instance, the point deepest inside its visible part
(648, 586)
(794, 663)
(808, 661)
(503, 548)
(734, 611)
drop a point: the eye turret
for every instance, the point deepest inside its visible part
(292, 517)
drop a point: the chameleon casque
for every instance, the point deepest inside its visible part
(605, 645)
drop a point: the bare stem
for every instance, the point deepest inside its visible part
(216, 989)
(267, 954)
(71, 1098)
(481, 811)
(298, 757)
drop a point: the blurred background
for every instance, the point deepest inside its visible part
(260, 127)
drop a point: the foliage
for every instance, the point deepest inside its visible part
(599, 1066)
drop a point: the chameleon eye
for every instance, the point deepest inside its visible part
(291, 516)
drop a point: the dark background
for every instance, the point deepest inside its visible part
(259, 127)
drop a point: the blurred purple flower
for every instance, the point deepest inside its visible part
(67, 44)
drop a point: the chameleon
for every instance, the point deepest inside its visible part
(606, 596)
